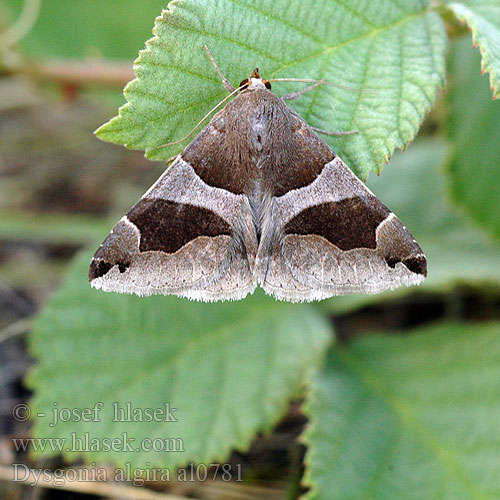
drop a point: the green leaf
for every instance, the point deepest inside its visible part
(483, 18)
(413, 417)
(473, 127)
(394, 48)
(230, 368)
(414, 187)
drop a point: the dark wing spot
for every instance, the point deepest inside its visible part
(349, 223)
(416, 264)
(392, 261)
(98, 268)
(168, 225)
(123, 266)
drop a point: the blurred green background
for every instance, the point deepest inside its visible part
(113, 29)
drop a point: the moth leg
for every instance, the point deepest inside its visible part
(225, 81)
(296, 95)
(328, 132)
(171, 159)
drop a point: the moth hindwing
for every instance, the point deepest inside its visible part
(257, 198)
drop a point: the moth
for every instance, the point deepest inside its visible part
(257, 199)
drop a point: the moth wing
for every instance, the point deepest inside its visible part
(334, 237)
(183, 237)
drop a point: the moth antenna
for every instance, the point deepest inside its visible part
(225, 81)
(324, 82)
(202, 120)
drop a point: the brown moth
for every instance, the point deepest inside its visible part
(257, 198)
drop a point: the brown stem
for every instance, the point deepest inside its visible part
(76, 73)
(106, 489)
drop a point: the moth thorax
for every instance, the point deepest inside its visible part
(256, 83)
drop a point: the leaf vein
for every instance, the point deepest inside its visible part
(280, 20)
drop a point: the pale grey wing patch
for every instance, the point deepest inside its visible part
(317, 264)
(239, 279)
(180, 183)
(196, 264)
(277, 279)
(335, 183)
(308, 268)
(236, 283)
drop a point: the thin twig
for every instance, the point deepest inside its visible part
(15, 329)
(6, 405)
(79, 73)
(26, 21)
(20, 303)
(241, 491)
(106, 489)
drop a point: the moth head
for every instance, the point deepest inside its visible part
(255, 82)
